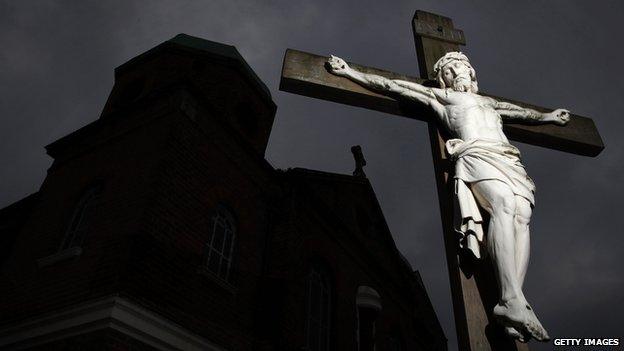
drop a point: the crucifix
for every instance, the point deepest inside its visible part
(485, 195)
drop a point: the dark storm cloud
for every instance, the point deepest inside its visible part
(56, 70)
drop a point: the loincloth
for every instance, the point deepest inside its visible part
(477, 160)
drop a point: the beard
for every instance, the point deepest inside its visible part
(462, 84)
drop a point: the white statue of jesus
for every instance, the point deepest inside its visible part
(488, 172)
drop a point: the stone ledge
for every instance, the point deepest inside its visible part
(112, 312)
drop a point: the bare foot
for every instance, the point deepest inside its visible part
(538, 331)
(518, 315)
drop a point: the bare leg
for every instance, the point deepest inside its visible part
(498, 200)
(513, 311)
(521, 222)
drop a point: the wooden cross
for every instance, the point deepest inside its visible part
(473, 286)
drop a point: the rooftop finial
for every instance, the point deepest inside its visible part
(360, 162)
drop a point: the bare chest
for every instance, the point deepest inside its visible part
(470, 118)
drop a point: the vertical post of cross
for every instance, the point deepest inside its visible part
(473, 284)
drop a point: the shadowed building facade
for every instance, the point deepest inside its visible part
(160, 226)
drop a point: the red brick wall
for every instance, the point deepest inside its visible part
(196, 173)
(124, 164)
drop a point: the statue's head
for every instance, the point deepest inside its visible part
(453, 70)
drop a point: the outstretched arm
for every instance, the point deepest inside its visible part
(511, 112)
(381, 84)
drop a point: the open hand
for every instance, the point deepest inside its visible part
(337, 66)
(560, 116)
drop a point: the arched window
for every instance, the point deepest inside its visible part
(220, 244)
(368, 304)
(319, 309)
(81, 218)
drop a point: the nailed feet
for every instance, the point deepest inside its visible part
(520, 321)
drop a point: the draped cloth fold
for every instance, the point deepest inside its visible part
(477, 160)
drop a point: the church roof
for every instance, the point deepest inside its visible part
(205, 47)
(342, 193)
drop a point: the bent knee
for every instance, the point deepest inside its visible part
(523, 212)
(522, 220)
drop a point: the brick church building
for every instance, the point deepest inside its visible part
(160, 226)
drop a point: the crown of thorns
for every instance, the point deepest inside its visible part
(449, 57)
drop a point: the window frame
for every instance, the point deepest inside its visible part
(77, 228)
(221, 215)
(320, 275)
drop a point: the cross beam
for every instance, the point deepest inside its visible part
(305, 74)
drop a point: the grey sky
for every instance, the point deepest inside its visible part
(56, 69)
